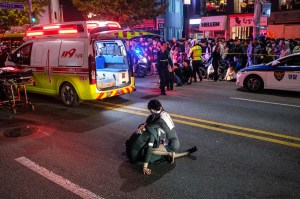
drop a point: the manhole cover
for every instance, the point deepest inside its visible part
(20, 131)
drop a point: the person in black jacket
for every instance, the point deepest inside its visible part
(216, 59)
(163, 60)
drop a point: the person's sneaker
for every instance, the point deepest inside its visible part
(163, 93)
(192, 150)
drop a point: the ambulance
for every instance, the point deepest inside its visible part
(67, 61)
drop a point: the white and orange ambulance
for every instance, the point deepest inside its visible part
(70, 63)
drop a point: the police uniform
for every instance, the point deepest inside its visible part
(163, 59)
(196, 55)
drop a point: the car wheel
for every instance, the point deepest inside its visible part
(68, 95)
(254, 83)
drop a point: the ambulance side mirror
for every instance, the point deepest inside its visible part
(10, 57)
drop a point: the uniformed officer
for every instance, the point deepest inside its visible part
(196, 56)
(163, 60)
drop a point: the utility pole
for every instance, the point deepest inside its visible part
(30, 10)
(257, 15)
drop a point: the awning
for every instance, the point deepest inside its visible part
(128, 34)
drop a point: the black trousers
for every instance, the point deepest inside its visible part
(196, 65)
(216, 72)
(170, 81)
(164, 79)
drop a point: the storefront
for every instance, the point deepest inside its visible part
(241, 25)
(213, 27)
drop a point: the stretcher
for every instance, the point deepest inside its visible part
(13, 89)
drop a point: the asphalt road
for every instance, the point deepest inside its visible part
(249, 146)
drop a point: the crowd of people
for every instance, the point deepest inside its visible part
(179, 61)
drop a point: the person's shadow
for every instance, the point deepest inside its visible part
(134, 178)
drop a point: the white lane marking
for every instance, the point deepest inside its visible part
(83, 193)
(265, 102)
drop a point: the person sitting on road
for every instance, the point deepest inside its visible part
(157, 139)
(230, 74)
(187, 72)
(177, 74)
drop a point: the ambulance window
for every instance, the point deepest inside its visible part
(38, 53)
(22, 55)
(111, 49)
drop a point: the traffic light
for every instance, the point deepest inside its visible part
(33, 19)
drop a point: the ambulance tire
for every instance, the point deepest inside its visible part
(68, 95)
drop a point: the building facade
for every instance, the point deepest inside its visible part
(235, 18)
(173, 20)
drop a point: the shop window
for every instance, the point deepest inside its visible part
(177, 6)
(215, 7)
(289, 4)
(171, 6)
(244, 6)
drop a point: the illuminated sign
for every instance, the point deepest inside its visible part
(186, 2)
(210, 24)
(266, 9)
(12, 6)
(195, 21)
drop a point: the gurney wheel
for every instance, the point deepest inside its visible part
(14, 111)
(32, 107)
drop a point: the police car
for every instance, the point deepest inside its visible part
(281, 74)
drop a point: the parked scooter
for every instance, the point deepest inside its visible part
(141, 66)
(221, 71)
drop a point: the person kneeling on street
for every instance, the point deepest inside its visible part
(155, 140)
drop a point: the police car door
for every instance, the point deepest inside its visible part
(286, 74)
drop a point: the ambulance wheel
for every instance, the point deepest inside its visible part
(68, 95)
(254, 83)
